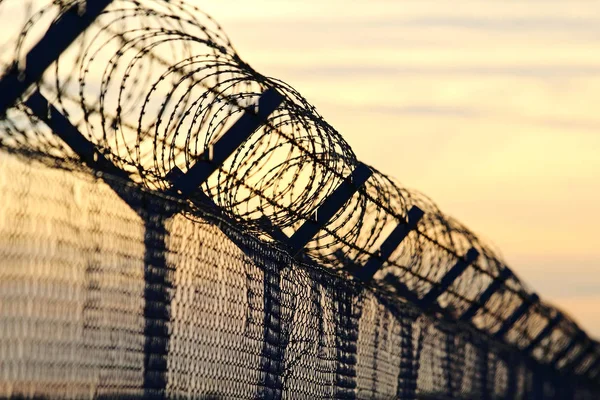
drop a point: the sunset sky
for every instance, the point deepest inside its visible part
(489, 107)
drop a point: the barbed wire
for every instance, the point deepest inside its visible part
(155, 84)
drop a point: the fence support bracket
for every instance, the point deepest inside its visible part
(329, 207)
(390, 244)
(214, 156)
(454, 272)
(55, 41)
(544, 332)
(585, 351)
(518, 313)
(496, 284)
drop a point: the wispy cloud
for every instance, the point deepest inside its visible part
(392, 72)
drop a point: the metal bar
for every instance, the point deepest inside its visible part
(512, 378)
(348, 310)
(537, 384)
(157, 287)
(63, 128)
(235, 136)
(390, 244)
(275, 338)
(567, 388)
(157, 304)
(347, 263)
(408, 368)
(400, 288)
(273, 230)
(487, 294)
(487, 387)
(454, 272)
(544, 332)
(58, 37)
(518, 313)
(579, 357)
(563, 353)
(330, 206)
(591, 369)
(202, 201)
(594, 369)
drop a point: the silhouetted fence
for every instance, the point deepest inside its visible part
(229, 243)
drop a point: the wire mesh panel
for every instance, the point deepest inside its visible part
(71, 285)
(243, 319)
(176, 225)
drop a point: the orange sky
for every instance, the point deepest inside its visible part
(490, 108)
